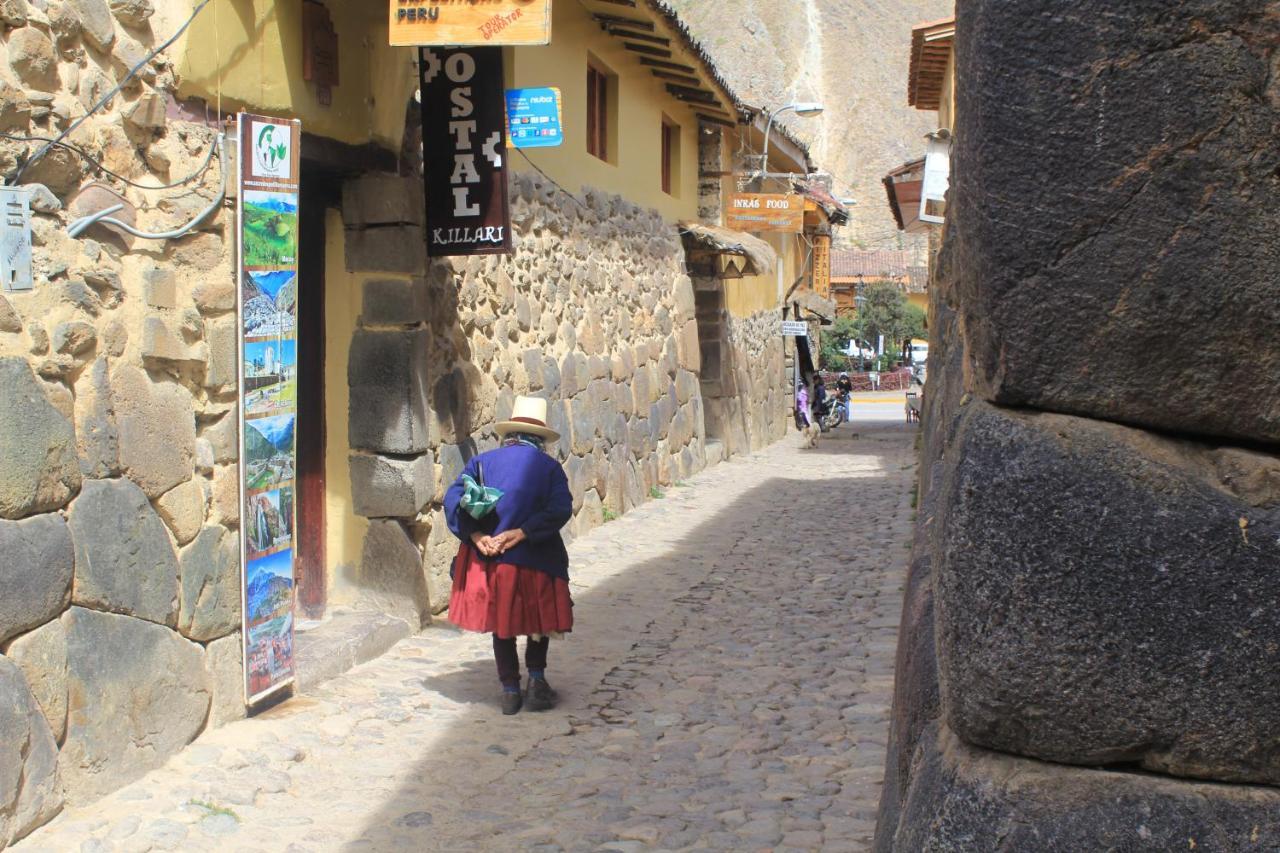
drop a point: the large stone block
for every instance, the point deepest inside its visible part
(42, 656)
(123, 558)
(387, 373)
(390, 249)
(964, 799)
(157, 429)
(916, 702)
(36, 567)
(209, 604)
(32, 58)
(224, 661)
(132, 13)
(391, 574)
(583, 425)
(385, 487)
(29, 789)
(38, 467)
(97, 439)
(1101, 601)
(395, 302)
(183, 509)
(383, 200)
(439, 550)
(1149, 290)
(96, 24)
(137, 693)
(163, 347)
(224, 344)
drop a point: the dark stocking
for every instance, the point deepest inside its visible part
(504, 652)
(535, 654)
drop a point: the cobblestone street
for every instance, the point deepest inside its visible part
(728, 688)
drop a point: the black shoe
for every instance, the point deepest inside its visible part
(511, 703)
(540, 696)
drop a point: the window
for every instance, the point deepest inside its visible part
(670, 156)
(598, 112)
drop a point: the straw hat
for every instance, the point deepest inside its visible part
(529, 415)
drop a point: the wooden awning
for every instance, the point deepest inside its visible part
(931, 46)
(903, 186)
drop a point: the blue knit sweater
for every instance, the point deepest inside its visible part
(535, 499)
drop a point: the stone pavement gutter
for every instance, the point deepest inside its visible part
(728, 686)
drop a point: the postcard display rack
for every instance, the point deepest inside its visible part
(267, 309)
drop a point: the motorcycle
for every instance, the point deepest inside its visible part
(829, 415)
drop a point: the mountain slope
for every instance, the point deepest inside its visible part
(851, 55)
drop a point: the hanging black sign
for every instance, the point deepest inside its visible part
(464, 143)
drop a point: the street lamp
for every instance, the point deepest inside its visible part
(804, 109)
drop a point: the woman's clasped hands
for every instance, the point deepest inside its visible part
(492, 546)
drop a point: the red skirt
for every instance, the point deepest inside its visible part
(506, 600)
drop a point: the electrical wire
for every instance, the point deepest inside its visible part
(115, 91)
(75, 228)
(98, 167)
(554, 182)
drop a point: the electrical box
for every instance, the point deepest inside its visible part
(15, 239)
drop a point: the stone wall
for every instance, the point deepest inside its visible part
(751, 410)
(593, 311)
(1088, 654)
(120, 612)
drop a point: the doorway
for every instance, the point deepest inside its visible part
(320, 190)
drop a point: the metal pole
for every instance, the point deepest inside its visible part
(768, 128)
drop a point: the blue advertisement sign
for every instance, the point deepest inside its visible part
(534, 118)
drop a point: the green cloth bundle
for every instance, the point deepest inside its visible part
(478, 500)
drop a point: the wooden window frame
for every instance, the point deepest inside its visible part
(600, 82)
(668, 131)
(671, 154)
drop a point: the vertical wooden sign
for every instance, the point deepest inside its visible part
(822, 265)
(267, 305)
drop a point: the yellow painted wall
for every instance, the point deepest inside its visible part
(947, 103)
(637, 174)
(750, 295)
(344, 530)
(920, 300)
(250, 52)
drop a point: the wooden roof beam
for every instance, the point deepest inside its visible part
(620, 32)
(672, 77)
(722, 122)
(647, 49)
(629, 22)
(696, 95)
(669, 66)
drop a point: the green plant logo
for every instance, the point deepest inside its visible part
(271, 150)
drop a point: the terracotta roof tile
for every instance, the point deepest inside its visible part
(883, 263)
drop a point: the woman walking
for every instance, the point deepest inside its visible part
(511, 575)
(804, 416)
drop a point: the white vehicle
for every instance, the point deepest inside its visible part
(919, 352)
(858, 349)
(919, 355)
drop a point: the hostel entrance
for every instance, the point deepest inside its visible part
(320, 191)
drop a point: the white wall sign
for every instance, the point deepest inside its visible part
(795, 329)
(937, 177)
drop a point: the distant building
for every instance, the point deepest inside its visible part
(853, 270)
(917, 189)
